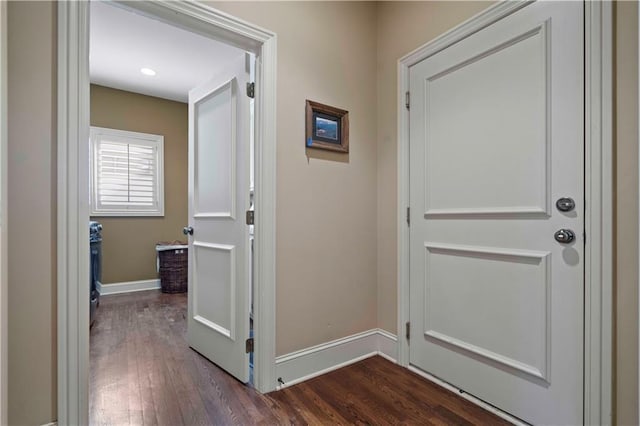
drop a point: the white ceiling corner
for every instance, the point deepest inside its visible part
(123, 42)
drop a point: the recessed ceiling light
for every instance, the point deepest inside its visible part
(147, 71)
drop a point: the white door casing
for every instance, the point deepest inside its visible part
(496, 137)
(219, 251)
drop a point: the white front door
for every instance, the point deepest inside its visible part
(219, 257)
(496, 138)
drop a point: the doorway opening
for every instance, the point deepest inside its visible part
(74, 214)
(143, 77)
(152, 171)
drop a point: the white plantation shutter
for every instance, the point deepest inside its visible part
(127, 173)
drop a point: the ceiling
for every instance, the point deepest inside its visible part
(123, 42)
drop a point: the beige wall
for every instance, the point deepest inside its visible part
(326, 202)
(626, 211)
(336, 219)
(401, 28)
(32, 213)
(129, 242)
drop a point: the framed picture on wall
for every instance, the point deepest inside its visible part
(327, 127)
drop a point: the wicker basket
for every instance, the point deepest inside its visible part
(172, 267)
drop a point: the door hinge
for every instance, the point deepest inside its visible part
(407, 100)
(251, 90)
(249, 345)
(408, 331)
(250, 217)
(408, 216)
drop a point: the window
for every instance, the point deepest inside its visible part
(127, 173)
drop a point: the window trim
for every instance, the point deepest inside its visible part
(145, 139)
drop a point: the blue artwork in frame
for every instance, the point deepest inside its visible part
(327, 127)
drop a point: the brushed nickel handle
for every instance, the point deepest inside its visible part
(564, 236)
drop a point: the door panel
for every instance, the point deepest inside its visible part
(463, 101)
(496, 138)
(514, 332)
(214, 303)
(215, 117)
(218, 196)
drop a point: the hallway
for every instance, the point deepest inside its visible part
(142, 372)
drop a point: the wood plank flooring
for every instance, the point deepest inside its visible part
(143, 373)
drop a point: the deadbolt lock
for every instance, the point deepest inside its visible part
(565, 204)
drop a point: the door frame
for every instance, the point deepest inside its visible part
(73, 197)
(598, 194)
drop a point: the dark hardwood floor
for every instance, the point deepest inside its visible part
(143, 372)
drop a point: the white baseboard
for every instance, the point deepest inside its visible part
(51, 424)
(388, 345)
(128, 287)
(311, 362)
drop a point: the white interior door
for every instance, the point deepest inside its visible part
(219, 257)
(496, 138)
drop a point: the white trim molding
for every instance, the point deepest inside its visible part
(128, 287)
(387, 345)
(598, 344)
(73, 212)
(73, 198)
(314, 361)
(598, 190)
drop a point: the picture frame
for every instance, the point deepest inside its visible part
(327, 127)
